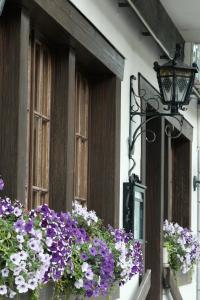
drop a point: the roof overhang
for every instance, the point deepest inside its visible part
(158, 23)
(65, 24)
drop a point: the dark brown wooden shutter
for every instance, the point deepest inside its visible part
(181, 185)
(104, 149)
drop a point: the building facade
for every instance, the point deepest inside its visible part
(65, 111)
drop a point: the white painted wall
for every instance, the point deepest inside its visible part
(121, 27)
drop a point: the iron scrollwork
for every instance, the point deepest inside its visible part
(146, 105)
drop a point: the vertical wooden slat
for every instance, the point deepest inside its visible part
(154, 207)
(14, 32)
(30, 119)
(104, 150)
(181, 172)
(168, 179)
(62, 151)
(22, 111)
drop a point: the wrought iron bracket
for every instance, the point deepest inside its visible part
(141, 106)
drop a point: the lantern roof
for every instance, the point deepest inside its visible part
(177, 65)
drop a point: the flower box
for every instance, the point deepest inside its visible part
(73, 253)
(165, 257)
(183, 279)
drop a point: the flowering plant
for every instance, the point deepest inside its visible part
(100, 256)
(75, 251)
(23, 261)
(182, 245)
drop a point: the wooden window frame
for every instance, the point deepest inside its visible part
(39, 119)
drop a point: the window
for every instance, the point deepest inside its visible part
(50, 169)
(81, 138)
(39, 117)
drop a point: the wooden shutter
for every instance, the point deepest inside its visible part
(39, 120)
(181, 185)
(81, 138)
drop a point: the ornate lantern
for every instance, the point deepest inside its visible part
(175, 82)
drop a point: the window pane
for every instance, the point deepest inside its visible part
(81, 139)
(39, 123)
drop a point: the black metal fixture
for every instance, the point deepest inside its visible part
(175, 81)
(2, 3)
(196, 183)
(134, 207)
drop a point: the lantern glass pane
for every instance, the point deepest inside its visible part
(182, 84)
(167, 87)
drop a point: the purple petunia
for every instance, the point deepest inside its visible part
(1, 184)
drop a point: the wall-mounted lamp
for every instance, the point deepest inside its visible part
(196, 183)
(175, 81)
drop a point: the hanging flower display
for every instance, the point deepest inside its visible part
(182, 245)
(75, 252)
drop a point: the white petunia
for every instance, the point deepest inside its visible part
(17, 271)
(5, 272)
(17, 211)
(23, 255)
(79, 283)
(32, 283)
(3, 290)
(49, 241)
(19, 280)
(85, 267)
(20, 238)
(22, 288)
(15, 258)
(34, 245)
(38, 234)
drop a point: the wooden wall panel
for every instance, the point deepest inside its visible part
(14, 42)
(104, 150)
(154, 207)
(62, 148)
(181, 182)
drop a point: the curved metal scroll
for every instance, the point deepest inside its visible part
(149, 114)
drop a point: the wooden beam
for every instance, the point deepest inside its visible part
(157, 21)
(154, 207)
(70, 130)
(117, 111)
(62, 152)
(75, 29)
(144, 287)
(14, 42)
(22, 111)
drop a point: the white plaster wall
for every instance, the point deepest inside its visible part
(121, 27)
